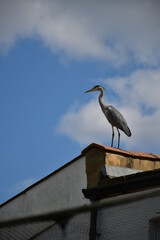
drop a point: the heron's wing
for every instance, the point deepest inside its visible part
(116, 119)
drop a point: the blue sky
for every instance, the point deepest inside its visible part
(50, 54)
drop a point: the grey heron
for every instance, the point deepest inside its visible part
(114, 117)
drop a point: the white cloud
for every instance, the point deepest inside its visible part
(115, 31)
(85, 125)
(18, 19)
(139, 88)
(139, 103)
(139, 93)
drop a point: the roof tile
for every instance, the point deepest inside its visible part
(123, 152)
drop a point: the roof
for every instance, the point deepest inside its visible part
(43, 179)
(124, 184)
(133, 154)
(31, 227)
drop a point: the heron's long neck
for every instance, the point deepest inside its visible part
(101, 100)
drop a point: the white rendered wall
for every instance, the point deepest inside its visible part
(122, 222)
(129, 220)
(60, 191)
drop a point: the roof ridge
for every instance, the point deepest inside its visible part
(122, 151)
(155, 155)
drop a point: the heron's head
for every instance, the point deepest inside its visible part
(96, 88)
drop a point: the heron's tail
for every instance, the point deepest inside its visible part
(128, 131)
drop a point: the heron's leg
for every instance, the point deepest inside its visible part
(112, 136)
(118, 137)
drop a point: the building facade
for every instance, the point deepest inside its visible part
(104, 193)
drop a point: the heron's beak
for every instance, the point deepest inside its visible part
(90, 90)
